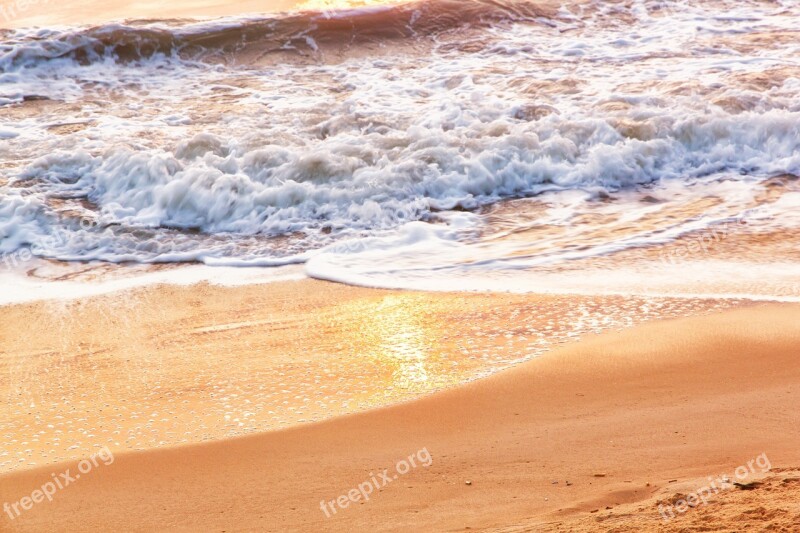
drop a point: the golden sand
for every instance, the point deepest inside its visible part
(167, 365)
(586, 438)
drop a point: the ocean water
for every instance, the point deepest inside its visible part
(602, 147)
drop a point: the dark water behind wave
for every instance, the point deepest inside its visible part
(302, 33)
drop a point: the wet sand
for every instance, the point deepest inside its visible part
(584, 438)
(168, 365)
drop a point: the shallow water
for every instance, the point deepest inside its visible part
(439, 144)
(175, 372)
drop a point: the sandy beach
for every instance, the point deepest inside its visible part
(436, 265)
(592, 436)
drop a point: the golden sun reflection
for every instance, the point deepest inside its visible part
(401, 340)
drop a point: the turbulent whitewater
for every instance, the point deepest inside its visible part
(494, 143)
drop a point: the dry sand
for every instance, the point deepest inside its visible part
(589, 437)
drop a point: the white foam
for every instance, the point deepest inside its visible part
(440, 265)
(188, 162)
(18, 288)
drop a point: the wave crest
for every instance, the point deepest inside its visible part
(306, 33)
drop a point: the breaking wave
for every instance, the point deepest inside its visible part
(119, 144)
(300, 33)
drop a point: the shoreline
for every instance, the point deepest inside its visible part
(83, 280)
(704, 395)
(180, 364)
